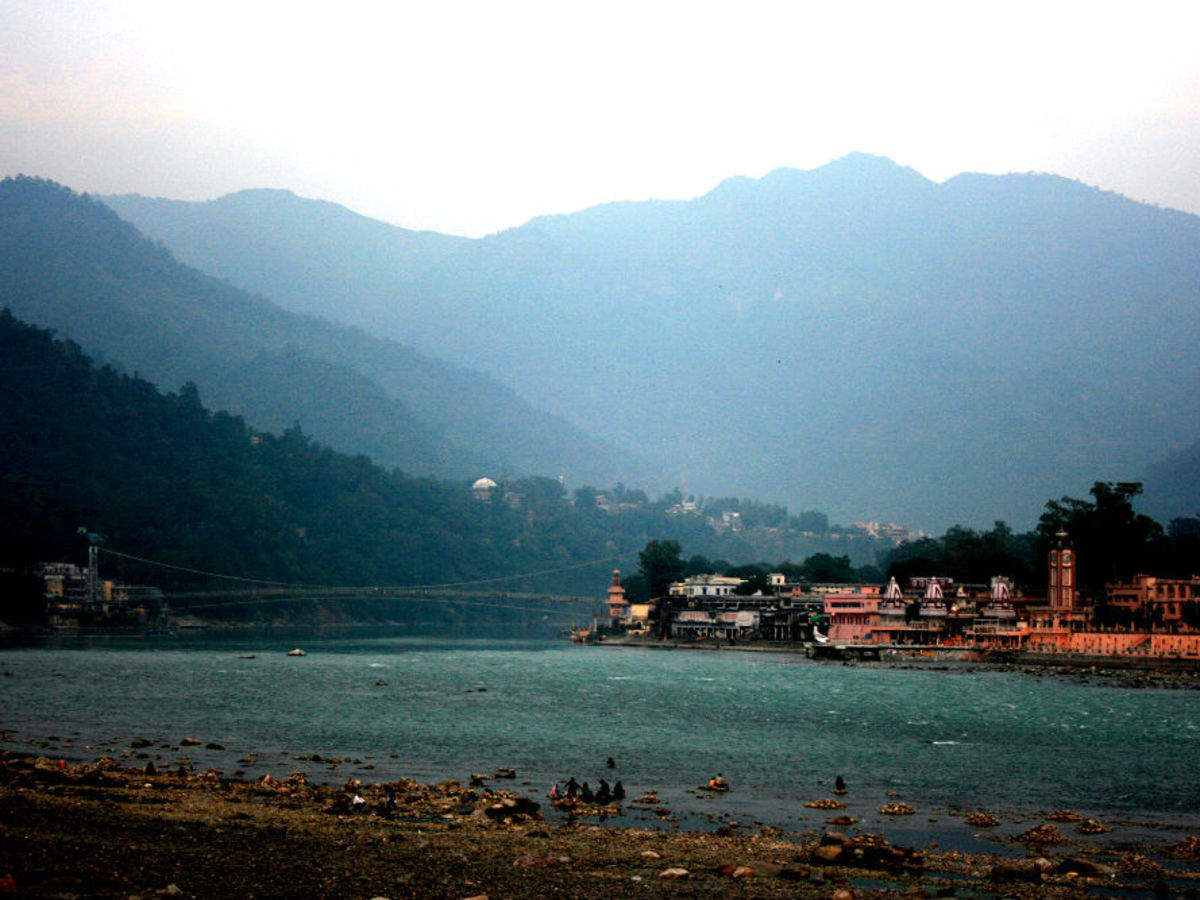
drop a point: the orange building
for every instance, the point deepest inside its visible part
(1161, 600)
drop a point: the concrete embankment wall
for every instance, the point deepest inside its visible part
(1100, 643)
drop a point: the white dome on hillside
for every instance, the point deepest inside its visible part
(484, 484)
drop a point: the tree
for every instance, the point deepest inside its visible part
(869, 574)
(1113, 542)
(823, 567)
(585, 497)
(660, 564)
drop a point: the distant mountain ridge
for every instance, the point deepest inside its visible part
(68, 262)
(854, 337)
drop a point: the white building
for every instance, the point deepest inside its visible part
(705, 586)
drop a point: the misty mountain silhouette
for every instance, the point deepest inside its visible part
(855, 337)
(67, 262)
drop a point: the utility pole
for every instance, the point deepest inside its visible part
(93, 567)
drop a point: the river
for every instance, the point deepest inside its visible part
(779, 727)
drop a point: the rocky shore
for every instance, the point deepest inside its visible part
(103, 828)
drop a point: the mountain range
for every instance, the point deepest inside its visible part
(855, 338)
(67, 262)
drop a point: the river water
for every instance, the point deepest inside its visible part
(779, 727)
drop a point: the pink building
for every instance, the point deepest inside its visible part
(852, 613)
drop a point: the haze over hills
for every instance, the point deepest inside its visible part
(854, 338)
(69, 263)
(1172, 485)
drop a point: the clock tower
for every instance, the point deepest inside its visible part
(1062, 575)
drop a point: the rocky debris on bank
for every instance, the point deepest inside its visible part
(1020, 870)
(1138, 865)
(531, 861)
(1041, 834)
(510, 809)
(1185, 848)
(825, 803)
(864, 851)
(982, 819)
(897, 809)
(1064, 815)
(456, 841)
(576, 806)
(1078, 867)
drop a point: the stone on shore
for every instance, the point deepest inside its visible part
(825, 803)
(866, 851)
(528, 860)
(982, 819)
(1084, 868)
(1041, 834)
(1019, 870)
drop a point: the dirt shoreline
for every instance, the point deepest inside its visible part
(98, 829)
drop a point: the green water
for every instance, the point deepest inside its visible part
(780, 728)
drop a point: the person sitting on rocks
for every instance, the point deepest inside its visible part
(555, 793)
(603, 793)
(618, 791)
(572, 787)
(586, 795)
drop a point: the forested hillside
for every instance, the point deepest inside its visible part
(162, 477)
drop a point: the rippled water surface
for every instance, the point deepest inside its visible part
(779, 727)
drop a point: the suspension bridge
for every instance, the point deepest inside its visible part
(484, 593)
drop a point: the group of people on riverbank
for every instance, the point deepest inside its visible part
(584, 793)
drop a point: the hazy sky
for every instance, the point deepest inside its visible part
(470, 117)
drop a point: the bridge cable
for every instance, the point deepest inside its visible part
(401, 587)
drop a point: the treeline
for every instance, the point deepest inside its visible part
(1113, 543)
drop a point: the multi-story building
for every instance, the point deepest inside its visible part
(1159, 601)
